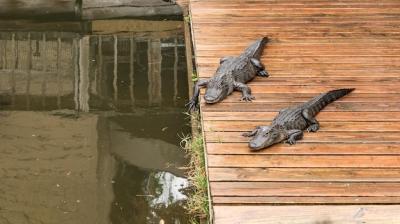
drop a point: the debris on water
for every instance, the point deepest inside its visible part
(164, 128)
(162, 221)
(145, 195)
(78, 201)
(68, 173)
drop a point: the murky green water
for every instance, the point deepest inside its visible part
(89, 127)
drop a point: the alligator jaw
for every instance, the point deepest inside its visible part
(254, 147)
(211, 100)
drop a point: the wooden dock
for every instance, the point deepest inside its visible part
(349, 171)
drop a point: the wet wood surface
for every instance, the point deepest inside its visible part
(315, 46)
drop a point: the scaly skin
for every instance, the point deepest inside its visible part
(290, 123)
(232, 74)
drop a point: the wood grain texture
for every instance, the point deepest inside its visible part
(305, 174)
(340, 214)
(302, 148)
(281, 200)
(315, 46)
(304, 189)
(381, 161)
(317, 137)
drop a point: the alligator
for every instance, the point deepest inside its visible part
(232, 74)
(290, 123)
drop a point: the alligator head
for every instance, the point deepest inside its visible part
(266, 136)
(218, 88)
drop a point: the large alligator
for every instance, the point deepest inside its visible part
(290, 123)
(232, 74)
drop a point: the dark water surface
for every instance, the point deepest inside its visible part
(89, 126)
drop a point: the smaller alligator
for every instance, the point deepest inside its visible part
(290, 123)
(232, 74)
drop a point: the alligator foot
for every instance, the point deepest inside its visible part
(192, 105)
(313, 128)
(263, 73)
(291, 141)
(251, 133)
(247, 98)
(294, 135)
(247, 134)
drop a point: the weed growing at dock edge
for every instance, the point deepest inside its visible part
(197, 203)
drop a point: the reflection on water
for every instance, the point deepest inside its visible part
(119, 163)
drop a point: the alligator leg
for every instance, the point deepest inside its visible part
(314, 125)
(260, 67)
(294, 135)
(246, 91)
(193, 103)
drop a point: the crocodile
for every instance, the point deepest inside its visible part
(290, 123)
(232, 74)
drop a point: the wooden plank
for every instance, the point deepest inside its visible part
(335, 106)
(269, 107)
(278, 200)
(307, 214)
(365, 71)
(293, 68)
(318, 137)
(320, 60)
(304, 174)
(301, 98)
(345, 189)
(302, 148)
(258, 160)
(353, 80)
(322, 116)
(339, 126)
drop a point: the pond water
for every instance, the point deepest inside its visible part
(90, 124)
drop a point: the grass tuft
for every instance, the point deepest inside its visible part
(197, 204)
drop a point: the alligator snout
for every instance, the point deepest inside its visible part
(210, 99)
(254, 146)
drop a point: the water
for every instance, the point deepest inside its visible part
(89, 126)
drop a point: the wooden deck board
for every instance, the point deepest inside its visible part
(349, 171)
(370, 214)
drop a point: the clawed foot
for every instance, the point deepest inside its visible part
(291, 141)
(247, 98)
(313, 128)
(192, 105)
(263, 73)
(247, 134)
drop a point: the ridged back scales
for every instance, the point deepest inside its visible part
(292, 118)
(241, 68)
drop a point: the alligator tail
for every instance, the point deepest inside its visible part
(321, 101)
(255, 49)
